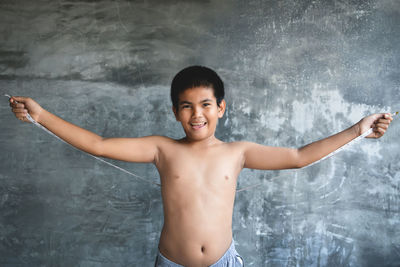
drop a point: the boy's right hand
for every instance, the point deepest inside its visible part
(21, 106)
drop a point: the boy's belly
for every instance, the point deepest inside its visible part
(197, 227)
(194, 245)
(189, 250)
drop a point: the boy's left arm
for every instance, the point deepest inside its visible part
(272, 158)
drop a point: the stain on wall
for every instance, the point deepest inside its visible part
(295, 72)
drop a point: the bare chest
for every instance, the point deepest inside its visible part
(204, 167)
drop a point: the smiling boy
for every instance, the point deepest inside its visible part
(198, 172)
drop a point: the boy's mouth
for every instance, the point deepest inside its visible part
(198, 125)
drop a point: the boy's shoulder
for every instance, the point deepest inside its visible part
(160, 139)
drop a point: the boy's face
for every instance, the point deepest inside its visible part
(198, 112)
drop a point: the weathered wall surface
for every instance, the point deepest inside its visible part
(295, 71)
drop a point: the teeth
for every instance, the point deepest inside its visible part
(197, 123)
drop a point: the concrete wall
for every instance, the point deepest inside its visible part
(295, 72)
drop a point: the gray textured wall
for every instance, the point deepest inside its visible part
(295, 71)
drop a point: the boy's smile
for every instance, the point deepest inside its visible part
(198, 113)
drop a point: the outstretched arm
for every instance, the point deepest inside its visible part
(142, 149)
(272, 158)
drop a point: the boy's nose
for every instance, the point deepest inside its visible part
(196, 112)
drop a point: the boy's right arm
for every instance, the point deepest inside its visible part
(142, 149)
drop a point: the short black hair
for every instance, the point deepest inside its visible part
(195, 76)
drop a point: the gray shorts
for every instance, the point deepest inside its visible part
(230, 259)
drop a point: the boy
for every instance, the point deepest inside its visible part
(198, 172)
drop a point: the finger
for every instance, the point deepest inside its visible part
(19, 110)
(18, 98)
(380, 130)
(383, 122)
(20, 113)
(382, 125)
(13, 103)
(387, 116)
(17, 105)
(20, 116)
(13, 100)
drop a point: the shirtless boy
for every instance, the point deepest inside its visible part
(198, 172)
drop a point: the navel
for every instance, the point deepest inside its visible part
(203, 249)
(226, 177)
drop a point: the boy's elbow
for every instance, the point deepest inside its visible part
(298, 160)
(303, 159)
(98, 147)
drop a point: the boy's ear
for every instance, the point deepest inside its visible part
(221, 108)
(175, 113)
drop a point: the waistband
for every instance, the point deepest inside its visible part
(230, 253)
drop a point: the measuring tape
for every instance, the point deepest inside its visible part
(352, 142)
(28, 116)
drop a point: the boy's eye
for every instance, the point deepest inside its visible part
(206, 104)
(185, 106)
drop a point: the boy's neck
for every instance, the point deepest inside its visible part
(209, 141)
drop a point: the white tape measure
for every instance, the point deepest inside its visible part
(352, 142)
(100, 159)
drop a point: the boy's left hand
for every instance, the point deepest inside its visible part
(379, 123)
